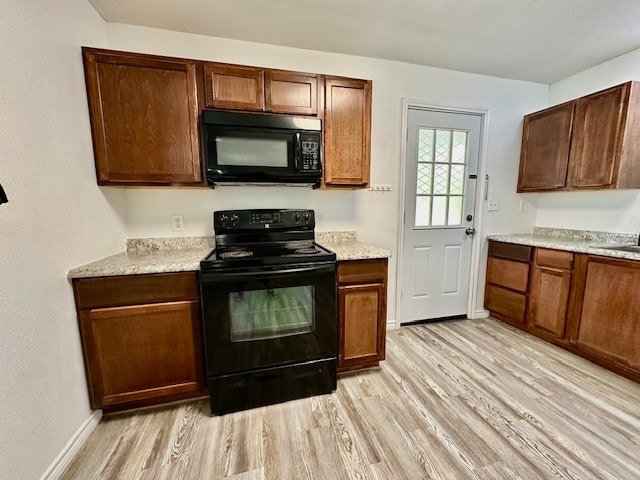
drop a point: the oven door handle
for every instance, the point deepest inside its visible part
(234, 276)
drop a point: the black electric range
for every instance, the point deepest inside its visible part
(268, 309)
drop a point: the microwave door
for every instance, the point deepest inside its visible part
(252, 152)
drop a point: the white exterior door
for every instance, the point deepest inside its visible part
(440, 184)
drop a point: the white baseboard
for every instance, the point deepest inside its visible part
(391, 324)
(481, 314)
(69, 451)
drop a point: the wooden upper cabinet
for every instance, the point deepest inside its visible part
(290, 92)
(546, 138)
(601, 150)
(347, 132)
(234, 87)
(598, 137)
(144, 118)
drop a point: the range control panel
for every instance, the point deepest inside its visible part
(231, 221)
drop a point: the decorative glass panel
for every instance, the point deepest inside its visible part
(424, 178)
(456, 184)
(459, 148)
(439, 212)
(273, 313)
(425, 144)
(423, 211)
(455, 211)
(441, 177)
(443, 145)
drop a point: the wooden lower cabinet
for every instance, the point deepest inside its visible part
(141, 339)
(586, 304)
(507, 281)
(608, 320)
(362, 313)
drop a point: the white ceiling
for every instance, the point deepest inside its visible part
(537, 40)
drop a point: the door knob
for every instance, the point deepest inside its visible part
(470, 231)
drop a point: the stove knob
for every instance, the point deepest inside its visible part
(306, 217)
(224, 218)
(234, 219)
(296, 217)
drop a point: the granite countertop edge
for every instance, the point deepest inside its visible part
(576, 245)
(144, 256)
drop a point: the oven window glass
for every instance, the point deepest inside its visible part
(251, 152)
(271, 313)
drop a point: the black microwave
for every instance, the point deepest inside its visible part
(241, 148)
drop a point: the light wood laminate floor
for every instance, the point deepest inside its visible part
(454, 400)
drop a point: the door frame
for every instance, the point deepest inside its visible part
(476, 242)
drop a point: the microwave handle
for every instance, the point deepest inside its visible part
(298, 152)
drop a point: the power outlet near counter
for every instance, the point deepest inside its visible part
(177, 222)
(493, 205)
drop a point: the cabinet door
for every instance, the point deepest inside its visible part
(347, 132)
(362, 321)
(597, 138)
(233, 87)
(549, 299)
(144, 118)
(544, 157)
(138, 353)
(289, 92)
(609, 322)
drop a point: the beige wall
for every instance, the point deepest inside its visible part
(56, 218)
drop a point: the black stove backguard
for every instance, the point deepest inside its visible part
(270, 326)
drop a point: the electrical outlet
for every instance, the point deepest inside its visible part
(493, 205)
(523, 206)
(177, 222)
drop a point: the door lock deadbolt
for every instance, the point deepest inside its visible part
(469, 218)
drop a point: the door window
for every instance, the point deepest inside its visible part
(271, 313)
(442, 164)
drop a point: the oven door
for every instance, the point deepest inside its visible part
(268, 316)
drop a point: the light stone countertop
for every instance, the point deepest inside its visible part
(578, 241)
(347, 247)
(134, 262)
(354, 250)
(183, 254)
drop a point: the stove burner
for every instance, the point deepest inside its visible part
(236, 254)
(307, 251)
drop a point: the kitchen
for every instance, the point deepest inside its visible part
(57, 218)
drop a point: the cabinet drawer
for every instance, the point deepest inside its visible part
(507, 273)
(358, 271)
(135, 289)
(510, 251)
(554, 258)
(505, 302)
